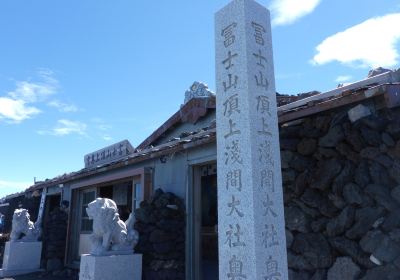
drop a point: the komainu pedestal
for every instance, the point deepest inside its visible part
(21, 258)
(121, 267)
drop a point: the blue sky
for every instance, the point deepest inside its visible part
(76, 76)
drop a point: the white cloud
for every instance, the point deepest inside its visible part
(32, 92)
(288, 11)
(63, 107)
(7, 187)
(16, 111)
(66, 127)
(107, 138)
(368, 44)
(17, 105)
(344, 78)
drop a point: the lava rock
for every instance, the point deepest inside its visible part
(353, 194)
(361, 175)
(307, 146)
(332, 138)
(286, 158)
(343, 269)
(296, 220)
(298, 262)
(315, 248)
(350, 248)
(365, 218)
(341, 223)
(382, 196)
(325, 173)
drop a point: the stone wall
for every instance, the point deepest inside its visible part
(342, 196)
(161, 226)
(54, 240)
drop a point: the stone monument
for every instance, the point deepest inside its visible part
(113, 241)
(251, 225)
(23, 252)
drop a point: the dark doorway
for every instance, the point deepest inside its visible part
(209, 224)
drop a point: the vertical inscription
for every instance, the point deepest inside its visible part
(250, 206)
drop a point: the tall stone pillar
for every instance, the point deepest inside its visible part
(251, 225)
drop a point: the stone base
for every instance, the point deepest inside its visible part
(21, 258)
(121, 267)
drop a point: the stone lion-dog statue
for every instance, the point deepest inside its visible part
(23, 229)
(111, 236)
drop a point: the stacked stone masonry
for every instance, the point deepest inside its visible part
(342, 196)
(161, 226)
(54, 239)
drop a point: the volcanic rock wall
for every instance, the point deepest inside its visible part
(161, 226)
(342, 196)
(54, 239)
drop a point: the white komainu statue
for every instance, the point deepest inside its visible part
(110, 234)
(23, 229)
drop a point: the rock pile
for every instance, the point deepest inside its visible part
(54, 239)
(342, 196)
(161, 226)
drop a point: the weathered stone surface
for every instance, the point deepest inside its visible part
(302, 182)
(371, 137)
(394, 171)
(358, 112)
(298, 275)
(352, 194)
(354, 138)
(296, 220)
(337, 200)
(332, 138)
(350, 248)
(289, 238)
(365, 218)
(286, 158)
(395, 235)
(386, 250)
(387, 272)
(379, 174)
(395, 152)
(308, 210)
(307, 146)
(346, 151)
(392, 221)
(242, 145)
(343, 269)
(319, 225)
(325, 173)
(370, 153)
(323, 122)
(320, 274)
(341, 223)
(314, 199)
(375, 123)
(366, 188)
(288, 176)
(345, 176)
(371, 240)
(298, 262)
(289, 144)
(388, 140)
(395, 193)
(382, 196)
(361, 176)
(315, 248)
(301, 163)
